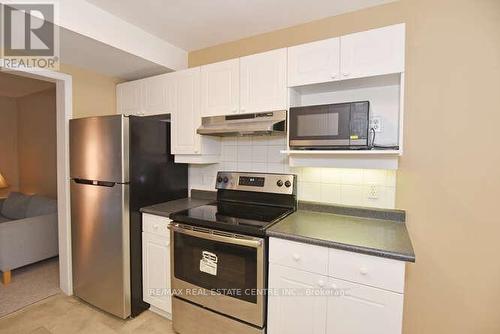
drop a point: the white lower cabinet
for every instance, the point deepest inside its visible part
(360, 309)
(291, 310)
(305, 302)
(156, 265)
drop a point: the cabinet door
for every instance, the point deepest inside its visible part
(155, 95)
(359, 309)
(220, 88)
(291, 309)
(187, 117)
(263, 84)
(129, 98)
(314, 62)
(156, 271)
(373, 52)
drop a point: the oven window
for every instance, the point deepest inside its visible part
(235, 272)
(326, 124)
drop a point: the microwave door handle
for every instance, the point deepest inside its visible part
(247, 241)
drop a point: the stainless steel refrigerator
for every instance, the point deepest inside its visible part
(118, 164)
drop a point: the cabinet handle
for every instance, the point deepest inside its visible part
(346, 74)
(156, 226)
(321, 283)
(235, 110)
(334, 75)
(363, 271)
(296, 257)
(334, 286)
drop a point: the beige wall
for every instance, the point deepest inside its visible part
(8, 141)
(94, 94)
(449, 176)
(37, 143)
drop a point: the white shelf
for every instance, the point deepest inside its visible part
(342, 152)
(374, 159)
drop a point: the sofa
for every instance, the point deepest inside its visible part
(28, 231)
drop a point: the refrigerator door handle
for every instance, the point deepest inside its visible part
(95, 183)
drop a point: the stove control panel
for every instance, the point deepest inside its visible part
(258, 182)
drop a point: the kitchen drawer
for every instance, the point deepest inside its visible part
(155, 224)
(369, 270)
(298, 255)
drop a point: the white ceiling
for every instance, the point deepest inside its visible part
(85, 52)
(196, 24)
(17, 86)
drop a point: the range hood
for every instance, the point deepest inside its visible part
(259, 124)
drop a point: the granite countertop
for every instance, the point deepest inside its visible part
(366, 235)
(198, 197)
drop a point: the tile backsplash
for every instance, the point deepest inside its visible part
(361, 187)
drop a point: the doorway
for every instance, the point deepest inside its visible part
(63, 102)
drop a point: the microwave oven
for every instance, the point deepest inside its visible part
(330, 126)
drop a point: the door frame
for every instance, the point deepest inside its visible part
(64, 112)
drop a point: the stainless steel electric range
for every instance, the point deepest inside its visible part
(219, 254)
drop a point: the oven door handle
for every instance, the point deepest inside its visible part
(212, 235)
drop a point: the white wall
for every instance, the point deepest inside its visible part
(86, 19)
(328, 185)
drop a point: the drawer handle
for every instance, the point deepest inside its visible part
(363, 271)
(296, 257)
(321, 283)
(156, 226)
(334, 75)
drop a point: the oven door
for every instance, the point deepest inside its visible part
(220, 271)
(322, 127)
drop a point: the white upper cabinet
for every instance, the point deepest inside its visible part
(361, 309)
(314, 62)
(220, 85)
(364, 54)
(187, 116)
(129, 98)
(150, 96)
(158, 95)
(263, 85)
(373, 52)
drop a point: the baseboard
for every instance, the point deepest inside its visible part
(160, 312)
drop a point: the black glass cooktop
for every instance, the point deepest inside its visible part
(233, 216)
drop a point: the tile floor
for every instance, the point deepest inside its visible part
(61, 314)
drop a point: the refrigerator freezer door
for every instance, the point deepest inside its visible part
(100, 242)
(99, 148)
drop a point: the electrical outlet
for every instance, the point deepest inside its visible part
(373, 191)
(376, 124)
